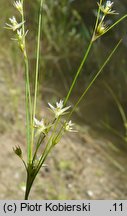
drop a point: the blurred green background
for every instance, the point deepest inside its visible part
(66, 32)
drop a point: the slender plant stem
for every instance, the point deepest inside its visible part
(37, 71)
(97, 20)
(49, 145)
(116, 23)
(91, 83)
(28, 185)
(27, 114)
(40, 141)
(82, 64)
(32, 172)
(31, 178)
(112, 26)
(83, 61)
(44, 158)
(37, 146)
(30, 119)
(28, 96)
(78, 72)
(84, 58)
(95, 77)
(24, 164)
(49, 141)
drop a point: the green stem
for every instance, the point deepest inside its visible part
(78, 72)
(37, 71)
(49, 144)
(28, 96)
(82, 64)
(84, 58)
(116, 23)
(112, 26)
(29, 183)
(38, 145)
(93, 80)
(98, 16)
(28, 112)
(95, 77)
(43, 159)
(97, 21)
(102, 20)
(31, 178)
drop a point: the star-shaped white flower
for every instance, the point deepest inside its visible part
(19, 6)
(20, 35)
(14, 24)
(41, 127)
(69, 126)
(109, 4)
(59, 109)
(107, 8)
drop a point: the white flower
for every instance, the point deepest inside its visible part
(69, 126)
(107, 9)
(59, 109)
(14, 24)
(109, 4)
(20, 34)
(38, 123)
(41, 127)
(20, 38)
(19, 6)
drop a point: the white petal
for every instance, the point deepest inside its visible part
(52, 107)
(66, 108)
(42, 122)
(60, 104)
(38, 123)
(35, 121)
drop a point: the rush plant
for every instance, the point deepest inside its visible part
(49, 133)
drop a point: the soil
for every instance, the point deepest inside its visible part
(80, 167)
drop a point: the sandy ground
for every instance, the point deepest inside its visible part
(80, 167)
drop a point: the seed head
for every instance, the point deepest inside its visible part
(101, 29)
(18, 151)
